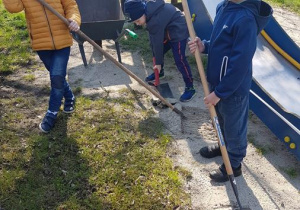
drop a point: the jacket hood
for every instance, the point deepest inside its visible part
(153, 7)
(261, 10)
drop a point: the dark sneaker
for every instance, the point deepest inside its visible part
(210, 151)
(151, 77)
(69, 105)
(48, 122)
(188, 94)
(220, 175)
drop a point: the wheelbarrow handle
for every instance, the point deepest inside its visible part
(107, 55)
(131, 33)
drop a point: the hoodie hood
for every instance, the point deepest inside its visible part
(153, 7)
(261, 10)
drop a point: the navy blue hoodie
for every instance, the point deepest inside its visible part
(164, 22)
(232, 45)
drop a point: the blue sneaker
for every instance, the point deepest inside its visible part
(48, 122)
(188, 94)
(69, 105)
(151, 77)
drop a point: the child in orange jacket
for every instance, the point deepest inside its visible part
(51, 39)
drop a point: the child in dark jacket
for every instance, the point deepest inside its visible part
(229, 73)
(167, 30)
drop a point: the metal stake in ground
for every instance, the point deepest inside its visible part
(212, 110)
(127, 71)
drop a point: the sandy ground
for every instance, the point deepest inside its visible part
(265, 183)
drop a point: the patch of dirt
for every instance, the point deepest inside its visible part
(265, 183)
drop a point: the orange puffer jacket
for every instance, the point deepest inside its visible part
(47, 32)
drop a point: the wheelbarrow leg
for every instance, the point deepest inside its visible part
(118, 51)
(82, 54)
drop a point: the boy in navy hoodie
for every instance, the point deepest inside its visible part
(167, 30)
(229, 73)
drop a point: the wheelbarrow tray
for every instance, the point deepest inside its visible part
(99, 30)
(101, 19)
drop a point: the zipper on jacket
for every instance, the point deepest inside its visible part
(49, 28)
(223, 70)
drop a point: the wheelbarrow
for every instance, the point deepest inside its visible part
(100, 19)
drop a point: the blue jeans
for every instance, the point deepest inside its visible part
(56, 62)
(233, 118)
(178, 50)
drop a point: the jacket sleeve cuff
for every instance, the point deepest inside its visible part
(218, 94)
(77, 18)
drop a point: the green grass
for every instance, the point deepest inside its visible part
(107, 155)
(293, 5)
(261, 150)
(29, 77)
(15, 51)
(292, 172)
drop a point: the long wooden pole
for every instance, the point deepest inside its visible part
(107, 55)
(212, 110)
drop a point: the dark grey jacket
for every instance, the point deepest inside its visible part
(164, 23)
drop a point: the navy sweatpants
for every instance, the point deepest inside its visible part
(178, 49)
